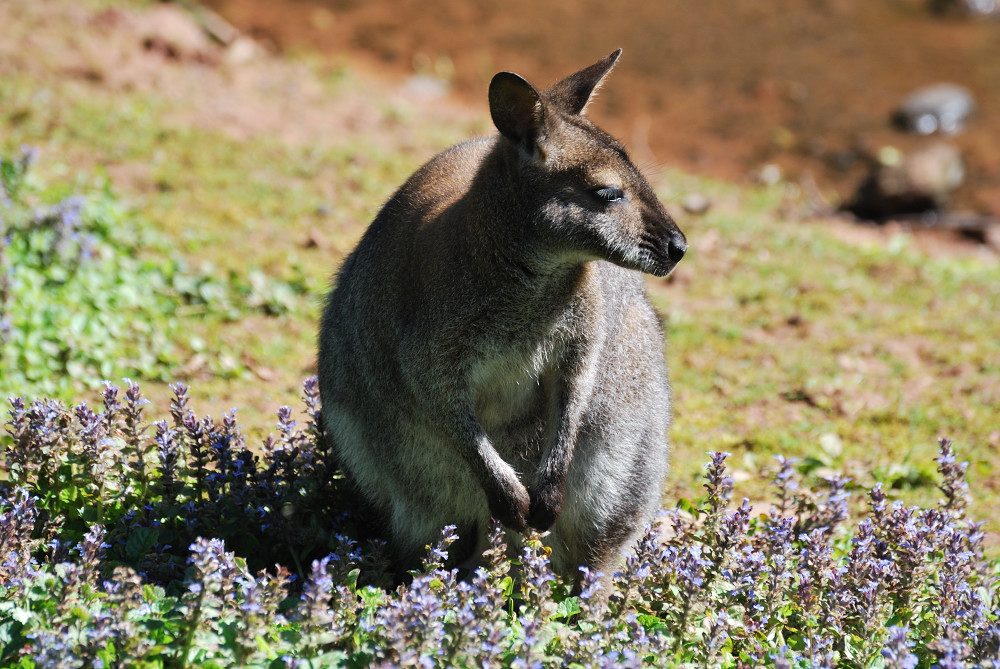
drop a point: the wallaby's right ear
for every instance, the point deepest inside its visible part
(517, 110)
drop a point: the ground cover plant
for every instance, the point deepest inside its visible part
(851, 350)
(132, 543)
(87, 290)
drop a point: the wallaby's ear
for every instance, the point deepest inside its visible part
(572, 94)
(517, 110)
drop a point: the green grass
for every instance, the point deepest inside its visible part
(783, 337)
(251, 207)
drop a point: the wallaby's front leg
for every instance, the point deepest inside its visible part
(549, 492)
(507, 497)
(570, 395)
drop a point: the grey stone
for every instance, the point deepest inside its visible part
(696, 203)
(967, 7)
(943, 108)
(917, 182)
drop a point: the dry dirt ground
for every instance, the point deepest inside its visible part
(238, 86)
(97, 51)
(716, 87)
(100, 50)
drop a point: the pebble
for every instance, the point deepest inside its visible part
(916, 182)
(968, 7)
(426, 86)
(943, 108)
(696, 203)
(937, 169)
(242, 50)
(768, 175)
(175, 33)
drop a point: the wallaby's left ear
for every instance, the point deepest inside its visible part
(572, 94)
(518, 111)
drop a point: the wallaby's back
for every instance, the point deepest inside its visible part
(489, 350)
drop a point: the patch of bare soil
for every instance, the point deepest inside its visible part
(720, 87)
(234, 86)
(237, 87)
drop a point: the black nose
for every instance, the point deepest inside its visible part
(677, 246)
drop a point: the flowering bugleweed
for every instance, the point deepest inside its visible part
(127, 544)
(17, 522)
(897, 653)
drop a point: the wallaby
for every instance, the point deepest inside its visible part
(489, 349)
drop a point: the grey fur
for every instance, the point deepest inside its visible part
(489, 349)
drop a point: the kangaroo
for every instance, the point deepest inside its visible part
(489, 349)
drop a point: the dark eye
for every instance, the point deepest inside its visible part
(610, 193)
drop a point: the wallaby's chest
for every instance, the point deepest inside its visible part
(516, 370)
(511, 391)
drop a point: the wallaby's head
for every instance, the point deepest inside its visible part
(587, 197)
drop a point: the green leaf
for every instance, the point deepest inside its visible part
(507, 586)
(264, 647)
(352, 579)
(68, 494)
(140, 542)
(651, 623)
(566, 608)
(684, 504)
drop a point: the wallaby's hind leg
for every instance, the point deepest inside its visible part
(411, 532)
(604, 521)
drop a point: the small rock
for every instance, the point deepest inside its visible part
(968, 7)
(943, 108)
(936, 169)
(917, 182)
(242, 50)
(696, 203)
(174, 33)
(768, 175)
(426, 86)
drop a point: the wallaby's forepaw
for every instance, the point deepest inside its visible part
(511, 507)
(546, 505)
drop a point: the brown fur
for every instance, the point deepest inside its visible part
(489, 349)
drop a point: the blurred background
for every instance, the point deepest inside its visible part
(829, 94)
(183, 178)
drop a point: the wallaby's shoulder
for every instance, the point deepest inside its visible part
(446, 177)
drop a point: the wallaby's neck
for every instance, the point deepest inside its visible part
(505, 252)
(514, 236)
